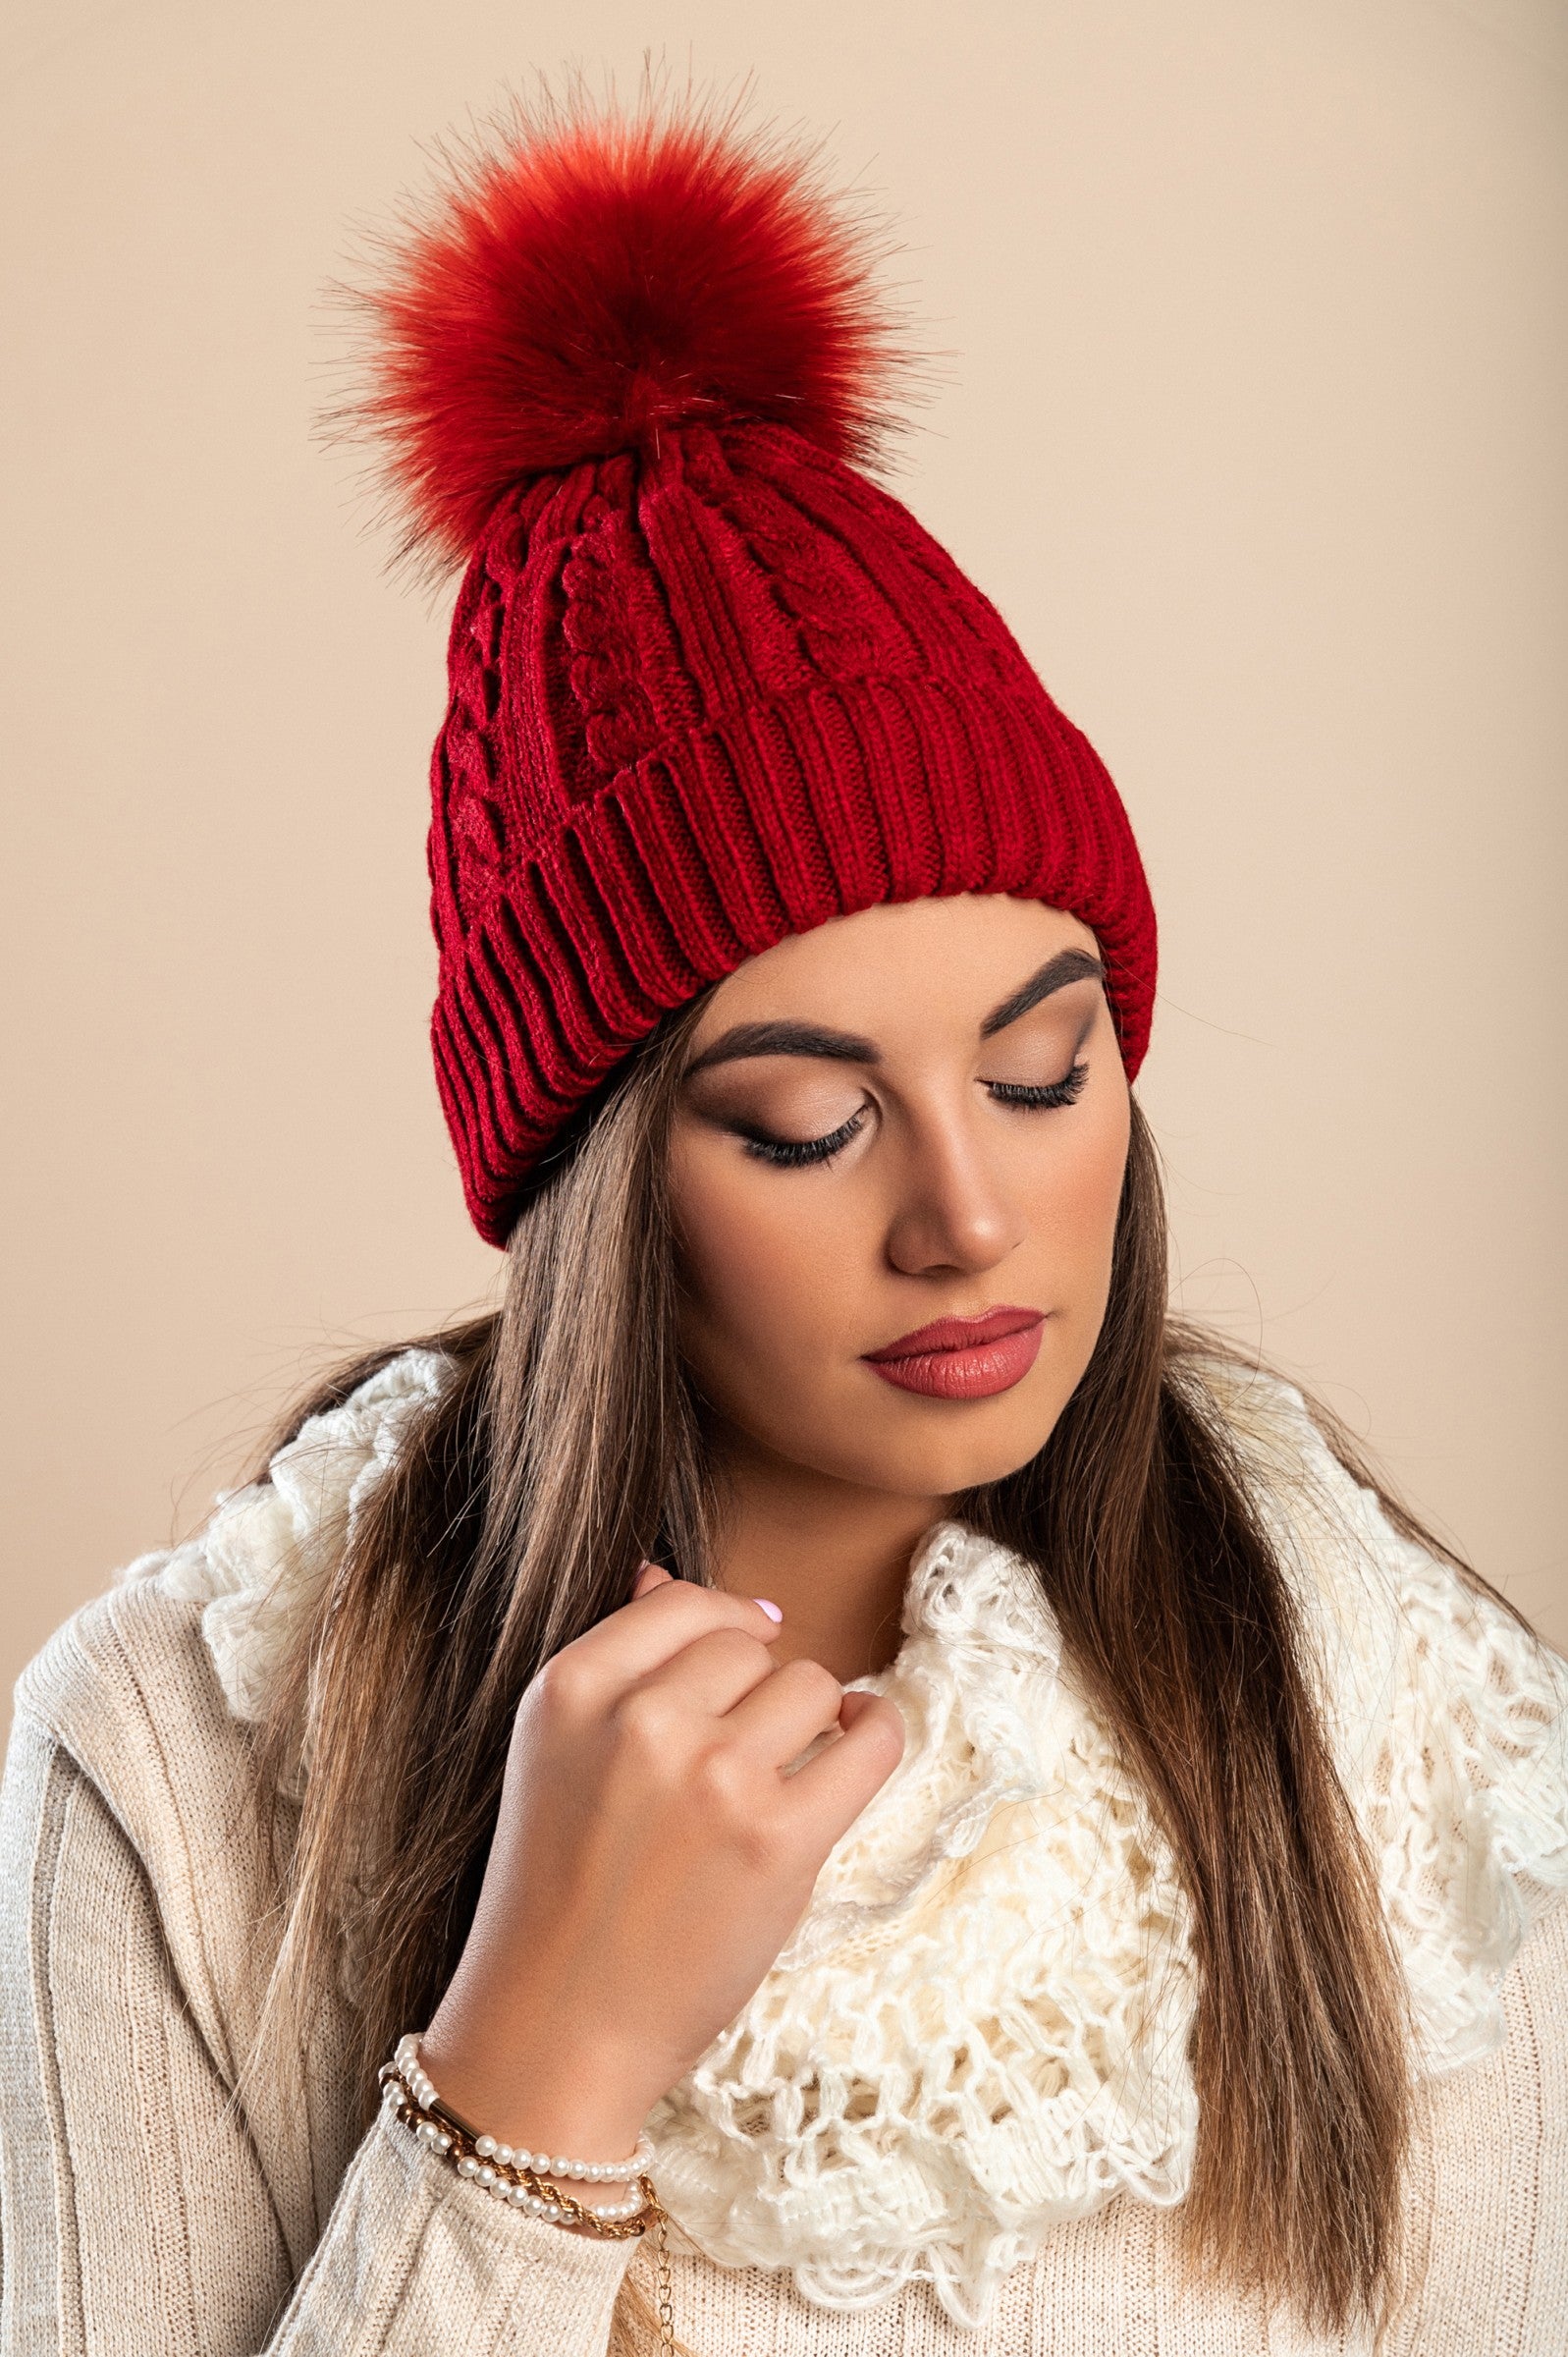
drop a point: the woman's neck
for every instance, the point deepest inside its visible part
(834, 1558)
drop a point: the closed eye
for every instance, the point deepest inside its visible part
(1065, 1091)
(792, 1154)
(798, 1153)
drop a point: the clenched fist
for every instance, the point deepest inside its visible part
(651, 1858)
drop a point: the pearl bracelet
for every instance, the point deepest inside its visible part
(525, 2180)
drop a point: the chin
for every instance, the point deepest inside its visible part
(874, 1436)
(929, 1460)
(962, 1466)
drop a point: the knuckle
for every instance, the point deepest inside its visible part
(732, 1649)
(560, 1685)
(723, 1787)
(819, 1688)
(719, 1777)
(646, 1723)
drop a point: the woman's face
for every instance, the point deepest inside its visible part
(910, 1115)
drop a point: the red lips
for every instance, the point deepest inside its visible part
(964, 1358)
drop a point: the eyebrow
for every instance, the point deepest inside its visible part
(848, 1047)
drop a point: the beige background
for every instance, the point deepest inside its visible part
(1253, 427)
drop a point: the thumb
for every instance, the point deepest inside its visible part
(649, 1576)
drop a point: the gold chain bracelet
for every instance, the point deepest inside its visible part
(453, 2141)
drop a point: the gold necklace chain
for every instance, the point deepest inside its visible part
(664, 2307)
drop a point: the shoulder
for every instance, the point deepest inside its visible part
(1448, 1716)
(126, 1687)
(151, 1690)
(185, 1645)
(1383, 1601)
(1349, 1558)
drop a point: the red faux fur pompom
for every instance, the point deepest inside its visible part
(592, 278)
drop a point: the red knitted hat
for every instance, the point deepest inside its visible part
(710, 685)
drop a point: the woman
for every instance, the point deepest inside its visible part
(827, 1779)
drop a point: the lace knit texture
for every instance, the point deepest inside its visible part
(958, 2110)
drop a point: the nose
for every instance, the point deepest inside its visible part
(953, 1213)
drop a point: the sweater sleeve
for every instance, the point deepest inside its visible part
(134, 2210)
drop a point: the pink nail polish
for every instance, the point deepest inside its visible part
(772, 1610)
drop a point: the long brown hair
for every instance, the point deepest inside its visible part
(555, 1458)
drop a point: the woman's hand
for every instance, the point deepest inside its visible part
(650, 1860)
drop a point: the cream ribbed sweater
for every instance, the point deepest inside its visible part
(956, 2115)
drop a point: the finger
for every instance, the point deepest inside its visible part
(670, 1614)
(708, 1677)
(787, 1710)
(836, 1785)
(649, 1576)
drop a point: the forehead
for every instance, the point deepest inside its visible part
(896, 967)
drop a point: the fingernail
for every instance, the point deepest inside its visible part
(772, 1610)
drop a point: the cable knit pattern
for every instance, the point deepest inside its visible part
(703, 698)
(978, 2029)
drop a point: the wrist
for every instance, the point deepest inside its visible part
(574, 2099)
(522, 2180)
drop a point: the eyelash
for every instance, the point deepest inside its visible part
(793, 1154)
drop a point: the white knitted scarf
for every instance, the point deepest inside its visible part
(979, 2027)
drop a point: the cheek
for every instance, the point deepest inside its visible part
(753, 1254)
(1072, 1213)
(1078, 1193)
